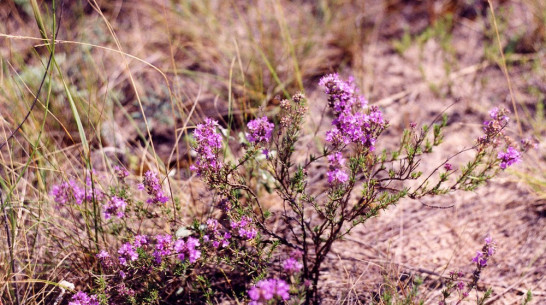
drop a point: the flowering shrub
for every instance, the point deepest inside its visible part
(244, 238)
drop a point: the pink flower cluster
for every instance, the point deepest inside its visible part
(115, 206)
(456, 281)
(209, 143)
(351, 125)
(244, 228)
(126, 253)
(121, 172)
(187, 249)
(337, 174)
(266, 290)
(509, 157)
(218, 239)
(494, 128)
(153, 187)
(163, 246)
(494, 135)
(342, 94)
(483, 256)
(291, 265)
(66, 193)
(70, 192)
(259, 130)
(81, 298)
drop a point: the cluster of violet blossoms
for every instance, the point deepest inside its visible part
(127, 252)
(351, 124)
(153, 187)
(259, 130)
(218, 239)
(209, 144)
(69, 192)
(268, 289)
(115, 206)
(188, 249)
(292, 265)
(483, 256)
(494, 134)
(509, 157)
(456, 282)
(494, 128)
(337, 174)
(121, 172)
(244, 228)
(354, 122)
(164, 247)
(81, 298)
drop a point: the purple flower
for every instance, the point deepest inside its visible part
(509, 157)
(127, 252)
(337, 175)
(460, 285)
(163, 247)
(499, 114)
(104, 258)
(493, 129)
(212, 224)
(244, 228)
(209, 144)
(341, 93)
(121, 172)
(268, 289)
(351, 124)
(191, 246)
(448, 167)
(140, 240)
(490, 251)
(81, 298)
(480, 259)
(489, 246)
(478, 256)
(115, 206)
(92, 192)
(188, 249)
(217, 238)
(225, 240)
(103, 255)
(66, 193)
(335, 137)
(153, 188)
(291, 265)
(260, 130)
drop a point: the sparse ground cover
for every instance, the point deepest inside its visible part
(130, 80)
